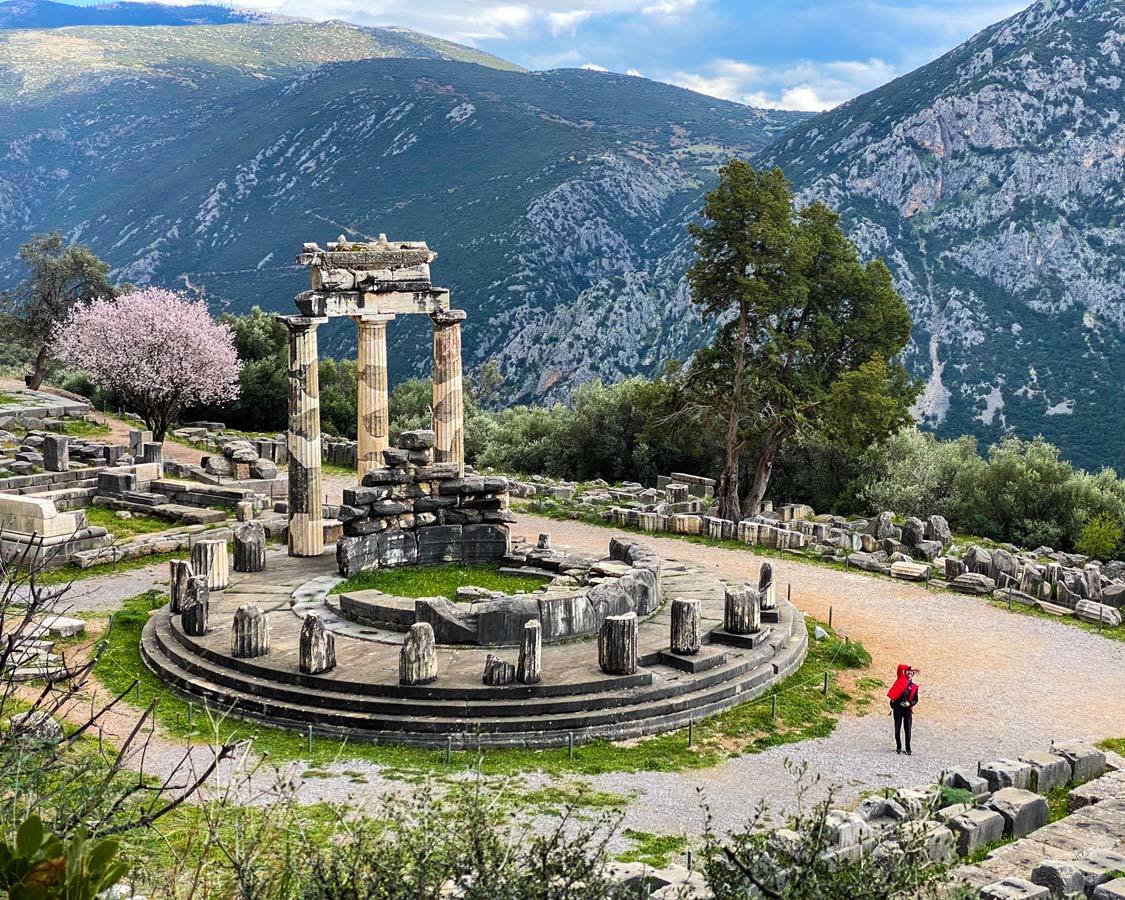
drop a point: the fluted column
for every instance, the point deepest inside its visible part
(373, 427)
(306, 526)
(449, 410)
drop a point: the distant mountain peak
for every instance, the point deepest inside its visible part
(990, 180)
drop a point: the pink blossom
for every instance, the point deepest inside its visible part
(156, 349)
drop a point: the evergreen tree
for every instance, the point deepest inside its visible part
(808, 336)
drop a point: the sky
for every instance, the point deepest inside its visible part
(787, 54)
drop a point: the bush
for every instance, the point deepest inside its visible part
(1100, 537)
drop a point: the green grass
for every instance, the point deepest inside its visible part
(438, 581)
(804, 711)
(81, 428)
(1117, 745)
(655, 850)
(124, 529)
(981, 853)
(73, 573)
(339, 471)
(6, 399)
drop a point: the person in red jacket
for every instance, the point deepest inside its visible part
(904, 697)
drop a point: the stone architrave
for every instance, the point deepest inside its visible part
(686, 638)
(179, 572)
(617, 644)
(249, 540)
(529, 669)
(497, 671)
(317, 650)
(417, 660)
(306, 518)
(249, 633)
(449, 412)
(373, 410)
(193, 611)
(56, 450)
(767, 591)
(210, 558)
(742, 612)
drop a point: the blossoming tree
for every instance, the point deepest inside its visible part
(155, 349)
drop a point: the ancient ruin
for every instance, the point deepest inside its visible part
(370, 283)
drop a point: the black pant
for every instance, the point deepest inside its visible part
(904, 718)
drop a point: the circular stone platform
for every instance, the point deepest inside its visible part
(361, 698)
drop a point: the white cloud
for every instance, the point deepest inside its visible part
(669, 7)
(804, 85)
(593, 67)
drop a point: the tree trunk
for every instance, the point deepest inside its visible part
(763, 471)
(728, 483)
(40, 370)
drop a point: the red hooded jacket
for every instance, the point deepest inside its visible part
(903, 688)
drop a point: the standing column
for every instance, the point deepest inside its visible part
(373, 425)
(306, 525)
(449, 411)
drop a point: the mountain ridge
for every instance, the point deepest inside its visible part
(990, 181)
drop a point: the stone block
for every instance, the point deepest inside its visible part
(972, 583)
(1022, 810)
(116, 481)
(1059, 876)
(1086, 761)
(1048, 771)
(1002, 773)
(451, 623)
(685, 631)
(742, 610)
(250, 633)
(482, 543)
(501, 622)
(357, 553)
(1013, 888)
(497, 671)
(580, 614)
(529, 668)
(1094, 612)
(1111, 890)
(439, 544)
(617, 645)
(29, 514)
(210, 558)
(976, 828)
(422, 439)
(910, 571)
(56, 456)
(397, 548)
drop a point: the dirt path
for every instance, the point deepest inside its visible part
(993, 683)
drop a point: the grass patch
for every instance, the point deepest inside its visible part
(438, 581)
(9, 399)
(1116, 745)
(125, 529)
(654, 850)
(73, 573)
(804, 710)
(981, 853)
(81, 428)
(338, 471)
(951, 796)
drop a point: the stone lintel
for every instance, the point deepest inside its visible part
(356, 303)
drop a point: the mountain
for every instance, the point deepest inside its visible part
(216, 62)
(558, 201)
(47, 14)
(991, 181)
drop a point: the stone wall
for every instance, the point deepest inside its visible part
(415, 511)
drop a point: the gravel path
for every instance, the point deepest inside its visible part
(992, 683)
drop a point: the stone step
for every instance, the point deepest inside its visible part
(432, 700)
(255, 701)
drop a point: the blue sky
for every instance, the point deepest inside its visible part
(793, 54)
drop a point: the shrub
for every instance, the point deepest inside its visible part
(1100, 537)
